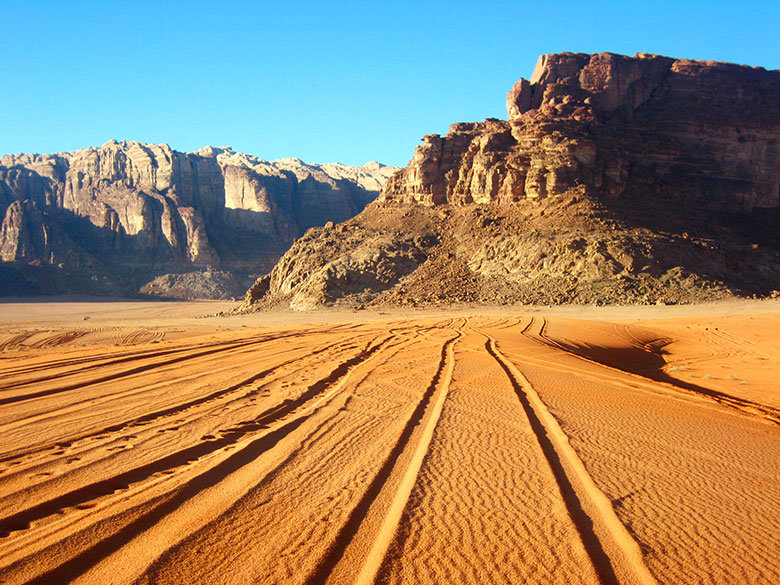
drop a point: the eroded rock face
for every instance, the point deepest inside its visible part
(703, 131)
(327, 265)
(24, 234)
(615, 180)
(149, 209)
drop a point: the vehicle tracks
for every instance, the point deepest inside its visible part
(172, 411)
(349, 544)
(616, 556)
(22, 520)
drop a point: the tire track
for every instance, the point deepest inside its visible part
(346, 429)
(431, 402)
(606, 378)
(83, 562)
(143, 336)
(177, 410)
(344, 420)
(59, 339)
(15, 341)
(739, 342)
(22, 520)
(156, 370)
(99, 360)
(209, 493)
(387, 532)
(108, 395)
(615, 554)
(133, 356)
(123, 374)
(174, 410)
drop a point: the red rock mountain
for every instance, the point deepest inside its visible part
(615, 179)
(621, 126)
(130, 215)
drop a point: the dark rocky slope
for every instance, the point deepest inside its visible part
(130, 216)
(616, 179)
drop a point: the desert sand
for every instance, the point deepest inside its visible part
(157, 443)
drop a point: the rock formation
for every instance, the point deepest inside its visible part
(130, 212)
(621, 126)
(615, 179)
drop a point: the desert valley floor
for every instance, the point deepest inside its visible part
(143, 443)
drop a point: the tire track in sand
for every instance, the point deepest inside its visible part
(188, 355)
(99, 359)
(204, 497)
(339, 562)
(615, 554)
(15, 341)
(79, 496)
(171, 411)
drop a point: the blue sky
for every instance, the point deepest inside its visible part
(323, 81)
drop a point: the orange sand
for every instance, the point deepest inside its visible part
(148, 444)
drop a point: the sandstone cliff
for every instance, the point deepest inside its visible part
(621, 126)
(615, 179)
(129, 212)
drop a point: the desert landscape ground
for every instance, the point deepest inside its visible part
(538, 345)
(150, 442)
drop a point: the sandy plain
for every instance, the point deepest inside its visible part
(157, 443)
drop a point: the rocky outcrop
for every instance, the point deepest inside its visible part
(330, 263)
(623, 127)
(198, 284)
(24, 234)
(141, 210)
(615, 179)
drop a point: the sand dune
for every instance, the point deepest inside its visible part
(148, 446)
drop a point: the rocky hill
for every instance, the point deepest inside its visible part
(615, 179)
(130, 216)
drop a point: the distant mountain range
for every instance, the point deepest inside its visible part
(130, 217)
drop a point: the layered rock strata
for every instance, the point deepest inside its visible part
(703, 131)
(615, 179)
(134, 211)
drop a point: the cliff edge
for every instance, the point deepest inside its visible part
(130, 217)
(615, 179)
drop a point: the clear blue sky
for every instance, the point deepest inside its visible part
(323, 81)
